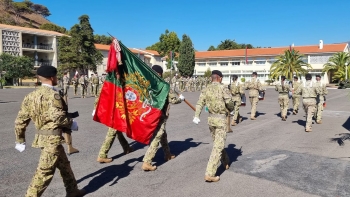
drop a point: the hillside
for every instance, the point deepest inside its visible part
(27, 20)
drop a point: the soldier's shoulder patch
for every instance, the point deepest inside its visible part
(57, 96)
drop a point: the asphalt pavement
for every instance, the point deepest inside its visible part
(269, 157)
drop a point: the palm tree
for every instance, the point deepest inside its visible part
(337, 65)
(288, 64)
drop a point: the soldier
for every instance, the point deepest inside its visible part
(160, 135)
(95, 83)
(283, 99)
(295, 97)
(254, 87)
(309, 92)
(196, 83)
(46, 108)
(86, 77)
(82, 83)
(193, 84)
(173, 82)
(321, 99)
(65, 87)
(237, 90)
(189, 84)
(219, 101)
(103, 78)
(91, 85)
(181, 83)
(110, 137)
(75, 82)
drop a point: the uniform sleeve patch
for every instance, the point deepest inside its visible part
(57, 97)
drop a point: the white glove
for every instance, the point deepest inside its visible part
(196, 120)
(74, 126)
(232, 113)
(20, 147)
(93, 113)
(182, 97)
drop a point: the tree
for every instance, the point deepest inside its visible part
(67, 56)
(288, 64)
(154, 47)
(6, 61)
(337, 65)
(207, 73)
(102, 39)
(53, 27)
(40, 9)
(186, 57)
(20, 8)
(16, 67)
(211, 48)
(229, 44)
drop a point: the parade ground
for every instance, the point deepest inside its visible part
(269, 157)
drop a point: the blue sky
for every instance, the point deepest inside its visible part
(266, 23)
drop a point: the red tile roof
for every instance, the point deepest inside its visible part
(30, 30)
(327, 48)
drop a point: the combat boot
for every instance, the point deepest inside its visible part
(252, 118)
(148, 167)
(294, 112)
(319, 122)
(70, 148)
(129, 150)
(308, 130)
(240, 119)
(104, 160)
(284, 118)
(233, 123)
(76, 193)
(211, 178)
(169, 157)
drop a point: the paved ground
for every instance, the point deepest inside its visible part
(269, 157)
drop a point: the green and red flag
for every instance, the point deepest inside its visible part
(132, 96)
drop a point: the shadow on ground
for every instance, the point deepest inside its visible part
(233, 153)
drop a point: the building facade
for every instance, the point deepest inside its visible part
(243, 62)
(40, 45)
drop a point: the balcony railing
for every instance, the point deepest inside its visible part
(28, 46)
(38, 46)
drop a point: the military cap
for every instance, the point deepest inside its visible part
(318, 76)
(295, 77)
(254, 73)
(46, 71)
(283, 77)
(158, 69)
(217, 72)
(308, 76)
(234, 76)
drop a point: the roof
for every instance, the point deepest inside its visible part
(104, 47)
(150, 52)
(327, 48)
(30, 30)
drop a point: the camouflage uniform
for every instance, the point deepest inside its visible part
(173, 83)
(219, 102)
(237, 90)
(95, 83)
(189, 85)
(309, 92)
(110, 137)
(283, 98)
(65, 87)
(296, 97)
(47, 110)
(254, 86)
(82, 83)
(91, 85)
(319, 108)
(75, 82)
(160, 135)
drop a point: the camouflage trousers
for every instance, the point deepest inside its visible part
(159, 136)
(237, 102)
(283, 100)
(110, 137)
(309, 105)
(75, 89)
(218, 152)
(83, 90)
(254, 102)
(296, 102)
(319, 109)
(48, 163)
(65, 89)
(95, 89)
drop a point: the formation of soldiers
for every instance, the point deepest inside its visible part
(188, 84)
(49, 111)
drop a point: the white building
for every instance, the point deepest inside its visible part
(243, 62)
(41, 45)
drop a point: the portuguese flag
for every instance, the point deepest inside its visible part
(132, 95)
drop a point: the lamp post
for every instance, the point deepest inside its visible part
(346, 71)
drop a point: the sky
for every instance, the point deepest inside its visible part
(265, 23)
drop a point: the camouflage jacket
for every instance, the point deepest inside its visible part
(219, 101)
(237, 89)
(46, 108)
(296, 85)
(282, 89)
(322, 87)
(308, 90)
(82, 81)
(254, 86)
(65, 80)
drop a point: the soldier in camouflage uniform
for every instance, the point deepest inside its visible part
(65, 87)
(46, 108)
(110, 137)
(237, 90)
(219, 102)
(91, 85)
(160, 135)
(189, 84)
(324, 91)
(82, 84)
(254, 87)
(309, 92)
(295, 97)
(283, 98)
(95, 84)
(173, 82)
(75, 82)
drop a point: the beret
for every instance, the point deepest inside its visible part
(234, 76)
(158, 69)
(283, 77)
(254, 73)
(46, 71)
(308, 76)
(216, 72)
(318, 76)
(295, 77)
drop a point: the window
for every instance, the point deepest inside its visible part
(212, 64)
(223, 63)
(236, 63)
(260, 62)
(201, 64)
(319, 59)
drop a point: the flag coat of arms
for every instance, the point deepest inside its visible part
(132, 96)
